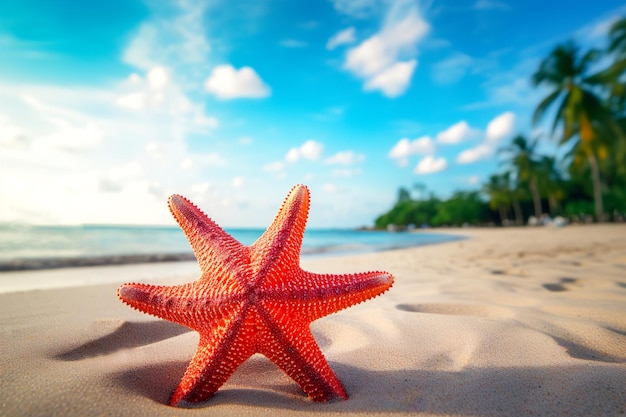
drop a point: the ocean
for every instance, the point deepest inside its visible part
(37, 247)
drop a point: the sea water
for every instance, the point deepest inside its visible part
(57, 244)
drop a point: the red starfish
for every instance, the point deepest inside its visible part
(253, 299)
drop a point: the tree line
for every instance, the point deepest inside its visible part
(588, 183)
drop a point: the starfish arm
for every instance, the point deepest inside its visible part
(279, 246)
(291, 346)
(214, 248)
(220, 351)
(312, 296)
(179, 303)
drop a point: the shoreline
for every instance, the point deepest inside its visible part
(30, 264)
(517, 321)
(45, 263)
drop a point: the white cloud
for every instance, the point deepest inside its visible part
(331, 188)
(457, 133)
(500, 127)
(132, 101)
(117, 175)
(70, 138)
(345, 158)
(430, 165)
(477, 153)
(226, 83)
(198, 161)
(158, 78)
(10, 135)
(344, 37)
(358, 9)
(382, 50)
(406, 148)
(451, 69)
(497, 129)
(369, 58)
(158, 92)
(292, 155)
(202, 120)
(386, 60)
(393, 81)
(310, 150)
(238, 181)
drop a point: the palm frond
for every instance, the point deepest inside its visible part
(543, 106)
(617, 36)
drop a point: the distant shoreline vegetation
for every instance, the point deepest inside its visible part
(588, 184)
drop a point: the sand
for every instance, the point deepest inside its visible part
(509, 322)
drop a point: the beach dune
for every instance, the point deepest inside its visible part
(508, 322)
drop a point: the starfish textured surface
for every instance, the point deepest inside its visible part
(253, 299)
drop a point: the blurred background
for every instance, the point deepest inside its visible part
(106, 108)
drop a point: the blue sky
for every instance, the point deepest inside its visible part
(106, 108)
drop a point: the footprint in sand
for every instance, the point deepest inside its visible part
(519, 272)
(475, 310)
(561, 285)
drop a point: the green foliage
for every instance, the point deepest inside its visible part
(462, 207)
(409, 212)
(579, 208)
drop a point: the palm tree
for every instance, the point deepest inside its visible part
(523, 158)
(580, 110)
(502, 195)
(498, 197)
(549, 178)
(403, 195)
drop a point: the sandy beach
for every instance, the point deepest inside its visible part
(508, 322)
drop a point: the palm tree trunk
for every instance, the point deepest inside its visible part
(502, 211)
(597, 185)
(554, 205)
(517, 209)
(534, 191)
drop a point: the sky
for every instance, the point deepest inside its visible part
(107, 108)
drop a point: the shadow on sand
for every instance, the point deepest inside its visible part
(128, 335)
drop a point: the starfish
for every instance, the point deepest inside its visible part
(253, 299)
